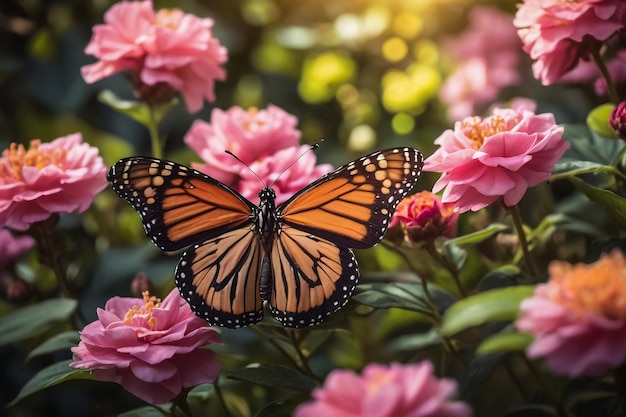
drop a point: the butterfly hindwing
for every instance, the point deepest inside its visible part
(220, 279)
(352, 206)
(178, 205)
(312, 277)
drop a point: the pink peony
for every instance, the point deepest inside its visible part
(501, 155)
(487, 53)
(251, 135)
(579, 317)
(423, 217)
(557, 34)
(62, 176)
(302, 173)
(12, 247)
(167, 48)
(152, 348)
(385, 391)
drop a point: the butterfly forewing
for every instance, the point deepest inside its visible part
(313, 277)
(353, 205)
(220, 279)
(179, 206)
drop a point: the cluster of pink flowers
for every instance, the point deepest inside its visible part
(386, 391)
(265, 140)
(578, 318)
(484, 159)
(487, 53)
(559, 34)
(162, 52)
(152, 348)
(59, 177)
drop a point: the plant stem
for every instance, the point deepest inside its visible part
(48, 255)
(180, 402)
(153, 129)
(220, 397)
(430, 248)
(519, 227)
(594, 50)
(545, 387)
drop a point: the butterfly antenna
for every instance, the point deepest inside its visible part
(246, 165)
(311, 148)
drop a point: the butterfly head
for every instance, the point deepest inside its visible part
(267, 194)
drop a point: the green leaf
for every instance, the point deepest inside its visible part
(613, 204)
(479, 236)
(61, 341)
(598, 120)
(280, 407)
(488, 306)
(505, 341)
(136, 110)
(33, 320)
(276, 376)
(414, 342)
(50, 376)
(147, 411)
(404, 295)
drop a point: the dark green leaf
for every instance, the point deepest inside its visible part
(479, 236)
(276, 376)
(586, 145)
(479, 370)
(404, 295)
(61, 341)
(281, 407)
(50, 376)
(488, 306)
(414, 342)
(613, 204)
(147, 411)
(33, 320)
(598, 120)
(455, 254)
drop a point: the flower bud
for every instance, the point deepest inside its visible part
(617, 121)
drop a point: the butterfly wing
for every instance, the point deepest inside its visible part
(352, 206)
(178, 205)
(220, 279)
(312, 277)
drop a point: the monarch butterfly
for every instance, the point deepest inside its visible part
(295, 256)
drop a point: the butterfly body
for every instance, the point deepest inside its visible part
(296, 257)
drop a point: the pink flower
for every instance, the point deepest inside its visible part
(13, 246)
(501, 155)
(168, 48)
(302, 173)
(557, 34)
(251, 135)
(152, 348)
(578, 318)
(487, 55)
(62, 176)
(423, 217)
(385, 391)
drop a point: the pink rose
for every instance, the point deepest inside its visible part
(487, 53)
(251, 135)
(423, 217)
(501, 155)
(579, 317)
(302, 173)
(167, 48)
(152, 348)
(556, 34)
(62, 176)
(13, 246)
(385, 391)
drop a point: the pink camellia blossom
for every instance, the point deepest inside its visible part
(487, 53)
(501, 155)
(302, 173)
(161, 51)
(250, 134)
(578, 318)
(61, 176)
(423, 218)
(557, 34)
(152, 348)
(385, 391)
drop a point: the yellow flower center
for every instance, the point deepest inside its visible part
(167, 18)
(477, 130)
(599, 288)
(374, 382)
(253, 122)
(145, 310)
(16, 157)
